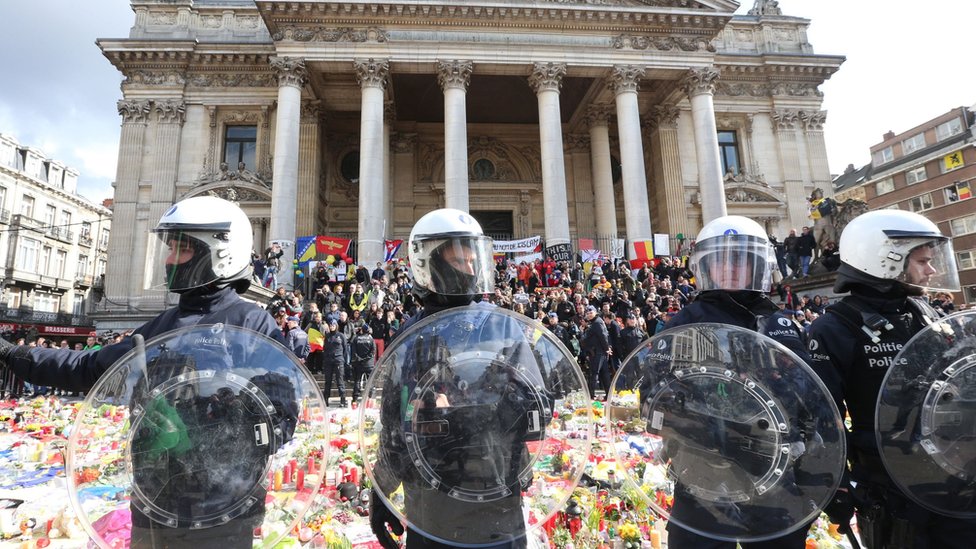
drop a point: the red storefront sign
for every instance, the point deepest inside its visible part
(65, 330)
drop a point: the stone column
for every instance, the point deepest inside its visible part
(404, 160)
(545, 80)
(389, 116)
(699, 84)
(119, 273)
(786, 121)
(624, 81)
(453, 77)
(813, 123)
(309, 169)
(168, 116)
(598, 119)
(669, 192)
(372, 76)
(291, 76)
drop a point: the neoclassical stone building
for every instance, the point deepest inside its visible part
(560, 118)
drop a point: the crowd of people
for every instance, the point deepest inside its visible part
(357, 301)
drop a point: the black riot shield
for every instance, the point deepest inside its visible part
(726, 432)
(198, 437)
(926, 417)
(476, 426)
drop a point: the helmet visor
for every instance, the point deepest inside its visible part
(732, 263)
(455, 265)
(177, 261)
(929, 265)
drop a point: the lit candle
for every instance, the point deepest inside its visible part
(286, 474)
(354, 475)
(300, 480)
(311, 465)
(293, 467)
(277, 480)
(656, 538)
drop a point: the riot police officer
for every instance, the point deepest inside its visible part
(203, 252)
(631, 336)
(362, 351)
(888, 259)
(733, 262)
(452, 264)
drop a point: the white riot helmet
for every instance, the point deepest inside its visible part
(733, 253)
(200, 241)
(901, 247)
(450, 257)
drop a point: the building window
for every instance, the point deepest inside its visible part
(100, 268)
(14, 298)
(960, 190)
(27, 250)
(913, 143)
(60, 258)
(78, 308)
(963, 225)
(966, 259)
(65, 221)
(948, 129)
(349, 167)
(82, 266)
(240, 146)
(969, 294)
(46, 303)
(483, 169)
(3, 197)
(27, 206)
(45, 264)
(103, 240)
(728, 147)
(50, 212)
(952, 161)
(916, 175)
(920, 203)
(884, 155)
(886, 185)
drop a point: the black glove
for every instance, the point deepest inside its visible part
(841, 508)
(382, 521)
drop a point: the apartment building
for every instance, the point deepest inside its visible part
(929, 169)
(53, 246)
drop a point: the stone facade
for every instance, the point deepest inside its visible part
(369, 114)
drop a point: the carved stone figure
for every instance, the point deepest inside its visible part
(766, 7)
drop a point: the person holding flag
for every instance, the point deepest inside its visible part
(316, 341)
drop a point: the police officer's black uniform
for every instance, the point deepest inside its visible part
(853, 366)
(335, 356)
(754, 311)
(363, 356)
(630, 338)
(79, 370)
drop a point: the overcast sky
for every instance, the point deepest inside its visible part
(907, 62)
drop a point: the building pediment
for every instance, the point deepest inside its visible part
(233, 191)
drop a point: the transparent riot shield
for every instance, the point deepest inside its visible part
(726, 432)
(476, 426)
(926, 417)
(203, 436)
